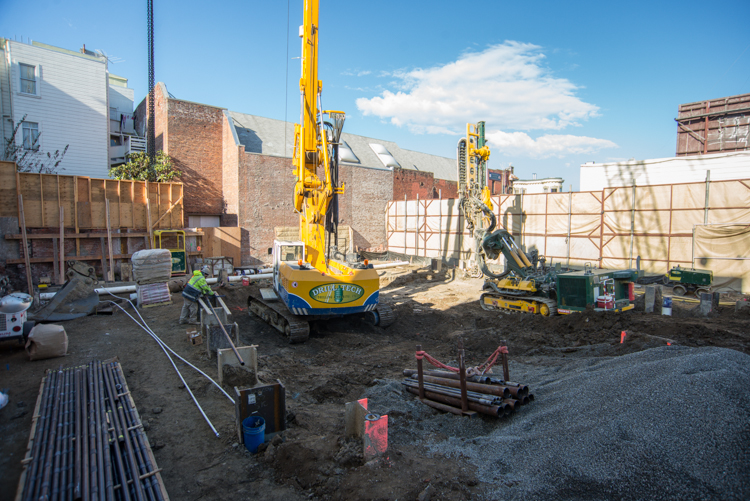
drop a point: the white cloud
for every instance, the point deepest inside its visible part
(505, 85)
(549, 145)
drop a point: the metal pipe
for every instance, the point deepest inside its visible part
(420, 373)
(58, 444)
(477, 387)
(504, 357)
(512, 402)
(490, 410)
(118, 434)
(77, 474)
(479, 398)
(103, 432)
(135, 453)
(161, 343)
(44, 487)
(462, 380)
(442, 407)
(93, 449)
(136, 430)
(86, 480)
(42, 429)
(128, 449)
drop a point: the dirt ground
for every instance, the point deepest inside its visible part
(340, 360)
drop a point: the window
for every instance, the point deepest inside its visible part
(554, 190)
(30, 136)
(28, 78)
(115, 141)
(346, 154)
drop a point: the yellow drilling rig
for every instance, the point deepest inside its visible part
(307, 283)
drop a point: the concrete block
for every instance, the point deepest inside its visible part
(649, 299)
(706, 305)
(740, 305)
(658, 297)
(249, 355)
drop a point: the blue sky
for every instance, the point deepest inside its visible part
(558, 83)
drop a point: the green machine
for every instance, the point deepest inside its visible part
(174, 242)
(689, 280)
(606, 290)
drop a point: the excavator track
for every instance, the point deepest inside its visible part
(276, 314)
(491, 301)
(383, 316)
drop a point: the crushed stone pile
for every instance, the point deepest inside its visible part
(665, 423)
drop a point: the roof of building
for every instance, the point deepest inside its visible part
(268, 136)
(541, 180)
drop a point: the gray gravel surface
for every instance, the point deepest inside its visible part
(665, 423)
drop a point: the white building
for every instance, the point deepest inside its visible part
(532, 186)
(122, 136)
(688, 169)
(65, 99)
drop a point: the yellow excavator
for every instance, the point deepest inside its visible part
(307, 283)
(525, 287)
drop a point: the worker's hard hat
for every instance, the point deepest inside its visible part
(205, 269)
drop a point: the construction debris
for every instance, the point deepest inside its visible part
(77, 298)
(87, 441)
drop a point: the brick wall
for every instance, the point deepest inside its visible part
(231, 154)
(264, 196)
(412, 183)
(364, 202)
(193, 135)
(195, 144)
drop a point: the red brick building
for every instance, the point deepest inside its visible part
(237, 170)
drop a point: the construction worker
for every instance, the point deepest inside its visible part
(195, 289)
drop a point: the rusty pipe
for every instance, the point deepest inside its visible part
(477, 387)
(490, 410)
(479, 398)
(513, 403)
(441, 407)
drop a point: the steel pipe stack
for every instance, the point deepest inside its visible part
(87, 440)
(461, 394)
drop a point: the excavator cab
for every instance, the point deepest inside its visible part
(286, 252)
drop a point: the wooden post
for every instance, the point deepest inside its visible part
(25, 245)
(55, 264)
(104, 259)
(62, 244)
(148, 217)
(420, 374)
(109, 245)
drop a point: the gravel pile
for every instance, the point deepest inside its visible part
(665, 423)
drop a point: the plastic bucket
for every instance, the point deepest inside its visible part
(666, 306)
(254, 430)
(245, 281)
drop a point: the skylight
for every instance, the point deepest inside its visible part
(346, 154)
(384, 155)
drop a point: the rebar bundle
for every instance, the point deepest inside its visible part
(87, 440)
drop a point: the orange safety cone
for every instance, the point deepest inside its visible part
(622, 336)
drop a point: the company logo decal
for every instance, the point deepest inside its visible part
(337, 293)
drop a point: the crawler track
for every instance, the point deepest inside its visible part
(491, 301)
(276, 314)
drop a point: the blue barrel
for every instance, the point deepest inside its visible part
(254, 430)
(666, 306)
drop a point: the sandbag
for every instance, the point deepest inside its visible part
(47, 341)
(151, 266)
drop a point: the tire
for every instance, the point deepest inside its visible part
(665, 280)
(679, 290)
